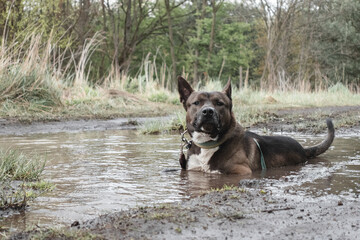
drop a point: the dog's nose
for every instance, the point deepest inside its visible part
(208, 112)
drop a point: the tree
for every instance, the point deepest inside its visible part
(278, 23)
(171, 39)
(215, 7)
(200, 13)
(337, 48)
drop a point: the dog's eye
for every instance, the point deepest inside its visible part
(196, 103)
(218, 103)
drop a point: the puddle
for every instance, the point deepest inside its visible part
(98, 172)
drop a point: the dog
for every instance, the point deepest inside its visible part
(219, 144)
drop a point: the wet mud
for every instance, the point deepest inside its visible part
(245, 213)
(319, 200)
(312, 120)
(242, 214)
(10, 127)
(285, 120)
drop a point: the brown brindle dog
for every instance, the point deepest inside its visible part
(220, 144)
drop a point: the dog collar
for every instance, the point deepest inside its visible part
(209, 144)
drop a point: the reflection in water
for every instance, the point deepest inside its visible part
(104, 171)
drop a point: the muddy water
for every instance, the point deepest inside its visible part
(98, 172)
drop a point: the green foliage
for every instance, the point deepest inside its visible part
(226, 188)
(40, 185)
(14, 165)
(339, 88)
(20, 178)
(48, 46)
(12, 197)
(26, 74)
(33, 86)
(338, 45)
(158, 97)
(176, 123)
(232, 43)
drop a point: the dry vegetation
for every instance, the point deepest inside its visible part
(37, 82)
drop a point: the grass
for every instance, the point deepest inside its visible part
(40, 185)
(227, 188)
(166, 125)
(15, 165)
(39, 81)
(253, 107)
(15, 195)
(160, 216)
(20, 179)
(25, 74)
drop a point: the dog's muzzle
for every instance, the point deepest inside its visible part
(207, 120)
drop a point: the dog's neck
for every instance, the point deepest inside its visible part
(205, 141)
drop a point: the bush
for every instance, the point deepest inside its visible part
(159, 97)
(339, 88)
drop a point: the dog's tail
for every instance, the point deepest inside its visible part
(316, 150)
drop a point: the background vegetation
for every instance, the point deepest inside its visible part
(91, 56)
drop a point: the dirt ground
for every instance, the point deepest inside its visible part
(247, 212)
(312, 120)
(308, 120)
(243, 213)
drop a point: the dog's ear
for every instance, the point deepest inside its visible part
(184, 89)
(227, 89)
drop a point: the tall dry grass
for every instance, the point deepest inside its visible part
(148, 78)
(40, 76)
(27, 74)
(36, 72)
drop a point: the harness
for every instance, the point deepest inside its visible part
(213, 144)
(262, 160)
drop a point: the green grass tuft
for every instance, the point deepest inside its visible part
(14, 165)
(176, 123)
(40, 185)
(20, 179)
(227, 188)
(159, 97)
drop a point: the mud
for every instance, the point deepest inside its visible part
(251, 211)
(11, 127)
(307, 120)
(311, 120)
(244, 213)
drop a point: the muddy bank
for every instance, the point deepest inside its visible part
(307, 120)
(10, 127)
(243, 213)
(312, 120)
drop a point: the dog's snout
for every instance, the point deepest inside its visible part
(208, 112)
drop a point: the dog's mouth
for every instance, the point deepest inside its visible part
(209, 126)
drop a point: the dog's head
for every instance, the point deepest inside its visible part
(206, 112)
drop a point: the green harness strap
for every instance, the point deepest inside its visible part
(263, 164)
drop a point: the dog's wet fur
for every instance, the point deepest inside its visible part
(220, 143)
